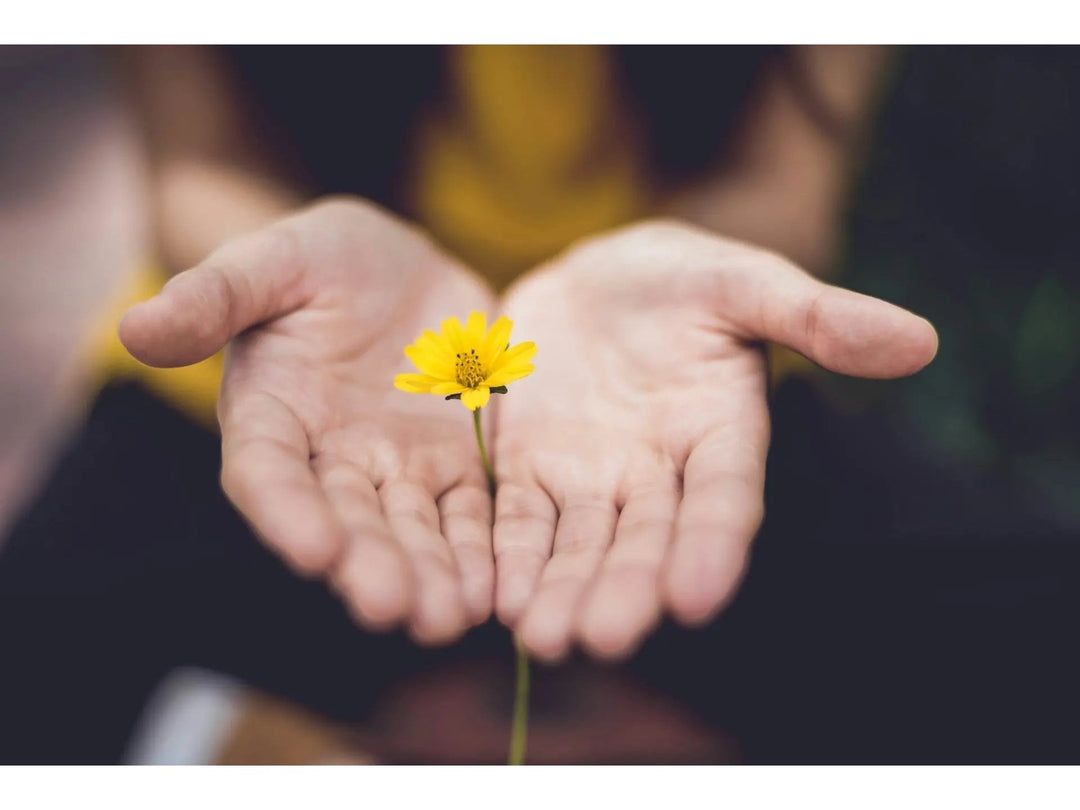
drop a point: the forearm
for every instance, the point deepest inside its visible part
(211, 175)
(786, 183)
(199, 205)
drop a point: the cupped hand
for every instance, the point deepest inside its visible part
(380, 492)
(631, 465)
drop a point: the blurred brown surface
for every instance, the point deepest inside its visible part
(272, 732)
(461, 715)
(579, 714)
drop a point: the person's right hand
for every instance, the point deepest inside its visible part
(382, 493)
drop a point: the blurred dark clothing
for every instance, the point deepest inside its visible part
(324, 107)
(868, 630)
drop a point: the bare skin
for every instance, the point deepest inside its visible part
(380, 492)
(631, 465)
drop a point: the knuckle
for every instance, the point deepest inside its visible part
(658, 525)
(346, 211)
(516, 504)
(588, 500)
(518, 553)
(283, 242)
(661, 228)
(342, 205)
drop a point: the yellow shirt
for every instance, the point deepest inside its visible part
(532, 153)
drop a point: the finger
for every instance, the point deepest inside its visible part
(582, 536)
(465, 517)
(246, 281)
(373, 575)
(624, 603)
(721, 510)
(438, 607)
(522, 538)
(841, 330)
(265, 471)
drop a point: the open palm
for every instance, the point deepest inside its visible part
(380, 492)
(631, 465)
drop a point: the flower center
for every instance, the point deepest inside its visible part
(468, 369)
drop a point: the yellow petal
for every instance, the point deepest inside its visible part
(430, 363)
(448, 387)
(474, 398)
(507, 374)
(436, 344)
(519, 353)
(415, 383)
(496, 341)
(452, 331)
(475, 328)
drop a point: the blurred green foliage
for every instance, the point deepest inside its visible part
(968, 212)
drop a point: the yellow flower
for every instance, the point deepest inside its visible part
(467, 363)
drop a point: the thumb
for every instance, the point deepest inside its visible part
(246, 281)
(842, 331)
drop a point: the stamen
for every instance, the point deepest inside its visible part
(468, 370)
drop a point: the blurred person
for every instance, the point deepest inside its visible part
(510, 155)
(69, 177)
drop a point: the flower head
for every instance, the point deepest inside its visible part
(467, 363)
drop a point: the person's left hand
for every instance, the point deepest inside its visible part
(631, 465)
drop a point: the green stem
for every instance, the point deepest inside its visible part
(483, 451)
(519, 729)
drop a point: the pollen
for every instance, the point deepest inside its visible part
(468, 369)
(467, 363)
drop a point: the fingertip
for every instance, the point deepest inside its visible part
(379, 614)
(379, 603)
(308, 542)
(512, 594)
(135, 331)
(543, 642)
(907, 348)
(437, 636)
(606, 641)
(698, 585)
(609, 633)
(507, 612)
(925, 344)
(517, 573)
(479, 601)
(546, 630)
(376, 584)
(312, 556)
(899, 343)
(438, 628)
(609, 648)
(157, 334)
(859, 335)
(691, 608)
(477, 582)
(477, 586)
(439, 614)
